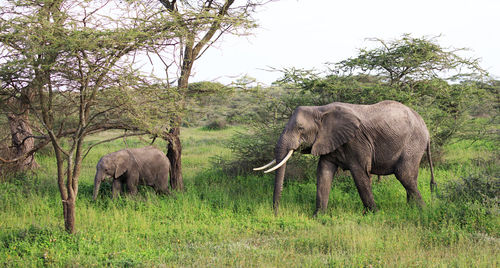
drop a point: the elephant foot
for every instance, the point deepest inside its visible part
(318, 212)
(416, 203)
(368, 210)
(415, 199)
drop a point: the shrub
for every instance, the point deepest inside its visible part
(256, 147)
(484, 189)
(216, 124)
(473, 201)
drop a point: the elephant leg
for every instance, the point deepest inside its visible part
(362, 179)
(325, 172)
(408, 176)
(132, 188)
(117, 187)
(161, 185)
(132, 182)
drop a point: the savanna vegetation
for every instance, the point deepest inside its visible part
(76, 101)
(227, 220)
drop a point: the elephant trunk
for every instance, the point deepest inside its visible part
(97, 183)
(278, 187)
(280, 154)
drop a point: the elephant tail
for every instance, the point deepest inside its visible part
(433, 183)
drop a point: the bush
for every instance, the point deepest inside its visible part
(473, 201)
(256, 148)
(470, 203)
(216, 124)
(484, 189)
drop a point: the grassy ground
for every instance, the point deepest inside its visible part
(222, 220)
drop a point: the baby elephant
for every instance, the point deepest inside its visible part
(146, 166)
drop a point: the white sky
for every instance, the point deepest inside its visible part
(309, 33)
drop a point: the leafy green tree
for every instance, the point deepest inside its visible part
(67, 61)
(409, 59)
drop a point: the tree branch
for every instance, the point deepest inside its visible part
(111, 139)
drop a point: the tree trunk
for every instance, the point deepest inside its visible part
(69, 215)
(174, 148)
(22, 140)
(174, 153)
(67, 192)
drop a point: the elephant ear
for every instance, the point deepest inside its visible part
(338, 125)
(121, 164)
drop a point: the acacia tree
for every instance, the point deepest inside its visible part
(409, 59)
(16, 84)
(70, 62)
(202, 23)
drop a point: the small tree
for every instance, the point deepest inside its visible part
(71, 61)
(202, 23)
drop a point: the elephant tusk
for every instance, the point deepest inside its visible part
(266, 165)
(281, 163)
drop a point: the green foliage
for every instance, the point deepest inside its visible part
(206, 87)
(484, 189)
(409, 59)
(238, 103)
(360, 89)
(265, 116)
(249, 150)
(207, 103)
(216, 124)
(255, 147)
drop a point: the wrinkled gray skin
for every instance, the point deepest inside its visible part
(381, 139)
(133, 167)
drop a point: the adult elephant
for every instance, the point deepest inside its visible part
(384, 138)
(148, 166)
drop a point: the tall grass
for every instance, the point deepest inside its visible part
(223, 220)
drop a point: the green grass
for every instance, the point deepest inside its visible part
(222, 220)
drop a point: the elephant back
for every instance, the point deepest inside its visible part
(150, 160)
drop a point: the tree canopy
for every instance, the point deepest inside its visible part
(410, 59)
(72, 66)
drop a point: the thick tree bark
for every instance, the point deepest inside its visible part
(69, 215)
(191, 50)
(174, 153)
(174, 147)
(22, 140)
